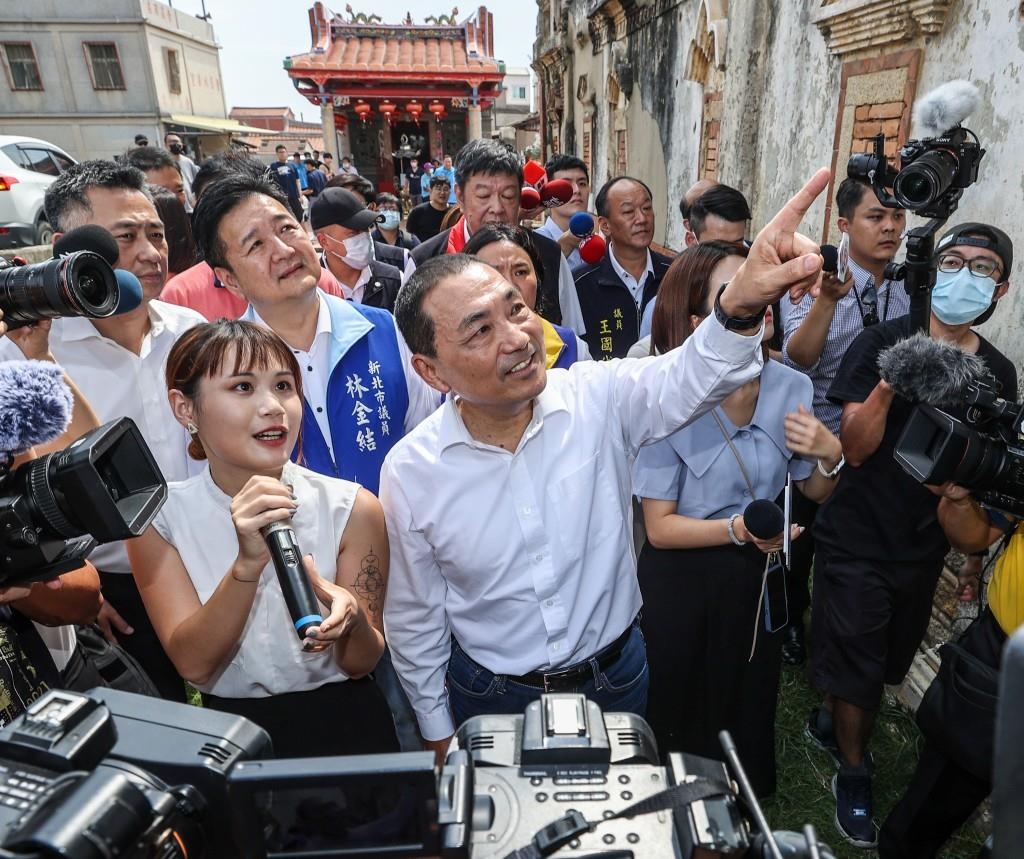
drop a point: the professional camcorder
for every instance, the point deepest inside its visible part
(149, 778)
(983, 453)
(54, 510)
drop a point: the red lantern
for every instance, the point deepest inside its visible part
(363, 110)
(388, 108)
(415, 110)
(437, 109)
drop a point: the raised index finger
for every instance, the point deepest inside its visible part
(790, 215)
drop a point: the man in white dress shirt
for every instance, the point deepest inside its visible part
(508, 509)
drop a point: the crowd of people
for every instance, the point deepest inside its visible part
(456, 417)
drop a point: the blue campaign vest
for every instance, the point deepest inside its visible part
(367, 396)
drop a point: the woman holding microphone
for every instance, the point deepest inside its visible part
(204, 570)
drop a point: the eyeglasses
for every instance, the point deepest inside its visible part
(980, 266)
(868, 301)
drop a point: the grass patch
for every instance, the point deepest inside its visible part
(805, 773)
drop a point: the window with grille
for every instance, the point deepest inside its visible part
(104, 65)
(173, 70)
(24, 70)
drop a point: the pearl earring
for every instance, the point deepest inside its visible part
(192, 428)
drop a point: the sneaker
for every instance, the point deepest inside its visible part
(820, 732)
(851, 787)
(794, 646)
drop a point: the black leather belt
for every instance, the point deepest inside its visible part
(568, 678)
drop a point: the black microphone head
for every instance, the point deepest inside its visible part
(88, 238)
(929, 371)
(764, 519)
(830, 258)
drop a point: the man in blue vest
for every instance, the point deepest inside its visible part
(361, 394)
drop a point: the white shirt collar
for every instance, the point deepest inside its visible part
(624, 275)
(77, 328)
(323, 324)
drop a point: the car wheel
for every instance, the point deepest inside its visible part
(44, 233)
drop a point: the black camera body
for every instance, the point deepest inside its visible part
(54, 510)
(934, 172)
(147, 777)
(983, 453)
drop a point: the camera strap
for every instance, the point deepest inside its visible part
(560, 832)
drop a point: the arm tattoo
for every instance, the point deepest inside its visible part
(369, 583)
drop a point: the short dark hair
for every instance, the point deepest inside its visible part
(326, 155)
(725, 202)
(279, 147)
(849, 195)
(66, 196)
(181, 247)
(222, 197)
(415, 324)
(226, 163)
(601, 200)
(438, 181)
(356, 184)
(491, 233)
(148, 158)
(565, 162)
(390, 199)
(487, 158)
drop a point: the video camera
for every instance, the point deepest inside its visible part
(983, 453)
(934, 173)
(145, 778)
(55, 509)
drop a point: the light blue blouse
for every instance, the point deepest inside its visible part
(695, 467)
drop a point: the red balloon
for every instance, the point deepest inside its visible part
(592, 249)
(529, 197)
(557, 192)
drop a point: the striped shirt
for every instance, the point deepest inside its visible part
(847, 323)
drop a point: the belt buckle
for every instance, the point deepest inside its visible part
(554, 681)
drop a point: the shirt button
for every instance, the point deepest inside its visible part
(320, 409)
(527, 510)
(746, 492)
(539, 558)
(549, 603)
(310, 369)
(556, 646)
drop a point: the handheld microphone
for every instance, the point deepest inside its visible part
(555, 193)
(830, 258)
(88, 238)
(946, 106)
(129, 291)
(35, 404)
(98, 240)
(593, 246)
(764, 519)
(529, 197)
(929, 371)
(291, 575)
(534, 173)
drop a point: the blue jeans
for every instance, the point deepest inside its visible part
(620, 688)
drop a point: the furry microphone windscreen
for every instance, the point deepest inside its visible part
(35, 404)
(929, 371)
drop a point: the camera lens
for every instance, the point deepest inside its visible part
(861, 166)
(78, 284)
(926, 179)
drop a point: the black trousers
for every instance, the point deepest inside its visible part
(941, 795)
(120, 591)
(698, 619)
(347, 718)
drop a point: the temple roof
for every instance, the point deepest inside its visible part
(361, 50)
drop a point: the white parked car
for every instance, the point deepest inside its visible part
(27, 167)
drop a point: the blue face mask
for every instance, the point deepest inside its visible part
(960, 297)
(391, 220)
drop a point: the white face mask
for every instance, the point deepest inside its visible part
(358, 251)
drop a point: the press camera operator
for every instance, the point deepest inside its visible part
(37, 639)
(880, 544)
(954, 771)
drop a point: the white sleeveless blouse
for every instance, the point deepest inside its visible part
(269, 658)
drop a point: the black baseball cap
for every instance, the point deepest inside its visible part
(141, 140)
(979, 235)
(338, 206)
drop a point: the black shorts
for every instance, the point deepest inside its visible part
(867, 620)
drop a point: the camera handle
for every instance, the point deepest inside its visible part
(918, 272)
